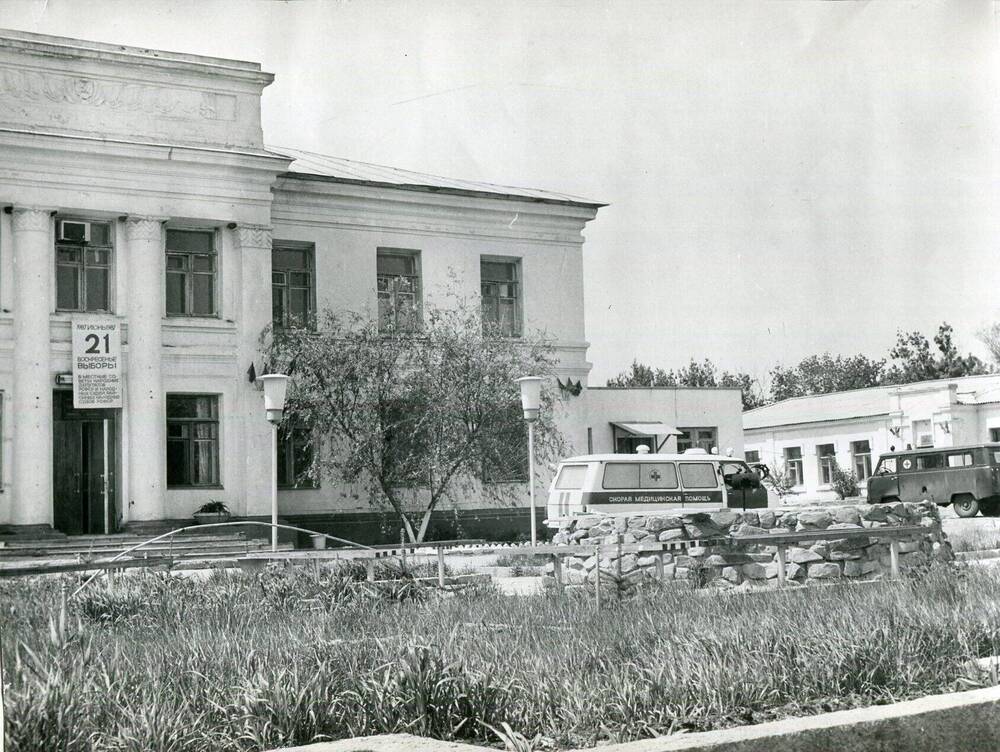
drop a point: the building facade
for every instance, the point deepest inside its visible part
(137, 190)
(806, 435)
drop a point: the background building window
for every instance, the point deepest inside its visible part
(292, 288)
(398, 286)
(923, 436)
(826, 454)
(697, 438)
(83, 266)
(191, 267)
(793, 464)
(751, 455)
(501, 294)
(631, 444)
(295, 457)
(861, 451)
(192, 440)
(995, 434)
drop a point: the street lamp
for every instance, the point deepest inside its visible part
(275, 386)
(531, 398)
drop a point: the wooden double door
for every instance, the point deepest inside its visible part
(84, 460)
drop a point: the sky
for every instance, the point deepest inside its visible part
(784, 178)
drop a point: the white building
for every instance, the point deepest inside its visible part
(804, 434)
(137, 189)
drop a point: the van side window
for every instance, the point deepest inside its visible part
(960, 460)
(621, 475)
(930, 461)
(571, 477)
(658, 475)
(886, 466)
(698, 475)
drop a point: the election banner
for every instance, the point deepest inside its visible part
(97, 363)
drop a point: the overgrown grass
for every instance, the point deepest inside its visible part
(252, 662)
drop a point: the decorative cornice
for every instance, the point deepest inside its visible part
(253, 236)
(143, 227)
(32, 219)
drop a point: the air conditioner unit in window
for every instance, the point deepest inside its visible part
(72, 231)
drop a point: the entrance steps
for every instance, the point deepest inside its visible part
(93, 547)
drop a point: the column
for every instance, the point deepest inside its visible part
(146, 415)
(31, 405)
(253, 243)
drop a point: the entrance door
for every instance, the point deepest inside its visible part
(84, 455)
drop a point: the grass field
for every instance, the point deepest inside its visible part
(251, 662)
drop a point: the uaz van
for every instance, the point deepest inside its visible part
(967, 477)
(694, 480)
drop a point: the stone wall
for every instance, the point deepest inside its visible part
(729, 565)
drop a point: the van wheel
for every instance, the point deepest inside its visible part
(965, 505)
(990, 508)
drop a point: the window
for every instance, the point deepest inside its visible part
(192, 440)
(83, 266)
(640, 475)
(398, 287)
(631, 444)
(698, 475)
(861, 451)
(501, 293)
(191, 268)
(571, 477)
(291, 286)
(960, 460)
(751, 455)
(826, 455)
(697, 438)
(930, 461)
(995, 434)
(886, 466)
(922, 433)
(793, 464)
(295, 456)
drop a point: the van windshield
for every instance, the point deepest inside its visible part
(571, 477)
(886, 466)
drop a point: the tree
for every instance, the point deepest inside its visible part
(990, 336)
(915, 360)
(694, 374)
(822, 374)
(418, 416)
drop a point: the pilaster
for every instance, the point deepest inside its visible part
(31, 405)
(146, 411)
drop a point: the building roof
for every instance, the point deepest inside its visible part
(861, 403)
(310, 165)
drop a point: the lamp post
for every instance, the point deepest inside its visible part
(531, 397)
(275, 385)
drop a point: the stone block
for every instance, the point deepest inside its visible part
(755, 571)
(698, 551)
(669, 571)
(628, 538)
(789, 520)
(794, 571)
(576, 535)
(724, 518)
(732, 574)
(727, 559)
(908, 547)
(745, 529)
(639, 535)
(859, 568)
(817, 519)
(634, 577)
(897, 508)
(845, 526)
(590, 562)
(845, 555)
(561, 539)
(646, 561)
(873, 523)
(685, 561)
(847, 515)
(701, 529)
(574, 562)
(874, 512)
(942, 551)
(584, 523)
(803, 556)
(824, 571)
(621, 524)
(637, 522)
(682, 573)
(766, 519)
(671, 535)
(821, 548)
(628, 562)
(575, 576)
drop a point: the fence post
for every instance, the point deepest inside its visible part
(894, 558)
(660, 571)
(557, 570)
(781, 565)
(440, 551)
(370, 569)
(597, 577)
(402, 544)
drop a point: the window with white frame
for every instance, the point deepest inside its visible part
(191, 273)
(861, 453)
(793, 464)
(751, 455)
(698, 438)
(84, 255)
(292, 288)
(501, 295)
(398, 287)
(827, 459)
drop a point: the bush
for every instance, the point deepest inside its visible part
(844, 483)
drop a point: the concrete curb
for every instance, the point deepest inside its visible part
(958, 721)
(954, 722)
